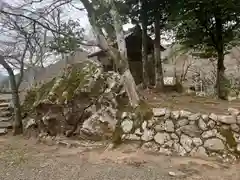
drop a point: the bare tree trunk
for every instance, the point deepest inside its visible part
(144, 45)
(129, 81)
(17, 125)
(120, 56)
(159, 83)
(220, 81)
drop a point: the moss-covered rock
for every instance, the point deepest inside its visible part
(84, 97)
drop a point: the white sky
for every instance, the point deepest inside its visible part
(70, 13)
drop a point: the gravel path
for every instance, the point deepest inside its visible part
(25, 160)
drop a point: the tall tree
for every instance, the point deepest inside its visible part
(212, 28)
(119, 56)
(144, 22)
(159, 83)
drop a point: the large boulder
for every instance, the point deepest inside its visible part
(82, 92)
(85, 101)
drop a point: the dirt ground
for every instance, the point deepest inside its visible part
(191, 103)
(22, 159)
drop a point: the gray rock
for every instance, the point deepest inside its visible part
(211, 124)
(169, 126)
(3, 131)
(175, 115)
(199, 152)
(179, 149)
(174, 137)
(185, 114)
(214, 144)
(194, 117)
(235, 127)
(177, 174)
(165, 151)
(227, 119)
(236, 137)
(138, 132)
(192, 122)
(150, 146)
(186, 143)
(160, 127)
(124, 115)
(169, 144)
(202, 125)
(197, 142)
(161, 138)
(225, 127)
(150, 123)
(191, 130)
(213, 116)
(182, 122)
(5, 124)
(147, 135)
(31, 122)
(204, 117)
(132, 137)
(210, 133)
(178, 132)
(144, 125)
(167, 114)
(238, 120)
(127, 126)
(238, 148)
(233, 111)
(159, 112)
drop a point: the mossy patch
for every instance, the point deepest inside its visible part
(141, 113)
(30, 98)
(72, 82)
(228, 134)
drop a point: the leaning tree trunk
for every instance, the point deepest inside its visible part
(17, 124)
(120, 56)
(145, 69)
(159, 83)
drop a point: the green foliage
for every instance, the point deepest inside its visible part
(70, 38)
(209, 25)
(105, 20)
(166, 10)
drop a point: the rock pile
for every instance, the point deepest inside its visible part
(186, 133)
(84, 101)
(88, 102)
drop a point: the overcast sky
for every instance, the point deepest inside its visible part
(69, 13)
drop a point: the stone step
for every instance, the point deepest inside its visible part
(5, 100)
(5, 124)
(5, 105)
(5, 114)
(3, 131)
(5, 119)
(5, 109)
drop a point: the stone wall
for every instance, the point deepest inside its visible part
(187, 134)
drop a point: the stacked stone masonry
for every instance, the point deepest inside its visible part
(187, 134)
